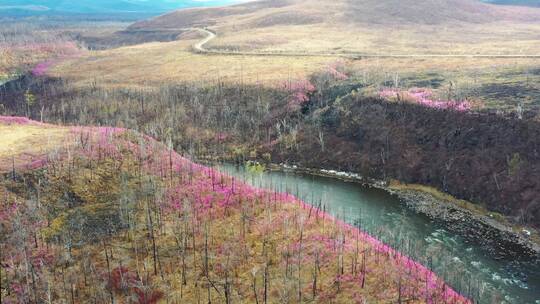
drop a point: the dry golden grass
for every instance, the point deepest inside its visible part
(158, 63)
(6, 62)
(461, 65)
(312, 27)
(22, 143)
(451, 27)
(265, 27)
(492, 39)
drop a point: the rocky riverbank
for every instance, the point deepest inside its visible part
(500, 240)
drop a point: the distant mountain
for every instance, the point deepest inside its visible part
(101, 6)
(154, 7)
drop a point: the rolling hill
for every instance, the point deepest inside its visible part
(295, 12)
(370, 26)
(446, 28)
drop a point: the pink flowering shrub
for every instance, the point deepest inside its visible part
(299, 93)
(41, 68)
(16, 120)
(37, 163)
(336, 71)
(8, 210)
(222, 136)
(57, 51)
(425, 97)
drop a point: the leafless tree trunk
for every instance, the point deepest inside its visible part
(108, 271)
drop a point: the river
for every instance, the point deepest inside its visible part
(463, 265)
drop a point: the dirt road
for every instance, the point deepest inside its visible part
(199, 47)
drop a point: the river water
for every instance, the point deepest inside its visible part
(465, 266)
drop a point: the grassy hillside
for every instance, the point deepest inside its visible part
(372, 27)
(28, 42)
(25, 142)
(268, 13)
(151, 64)
(122, 218)
(446, 28)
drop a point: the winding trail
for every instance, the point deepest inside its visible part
(200, 48)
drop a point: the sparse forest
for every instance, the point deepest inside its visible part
(122, 218)
(377, 152)
(309, 122)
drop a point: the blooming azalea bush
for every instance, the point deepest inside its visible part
(189, 234)
(426, 98)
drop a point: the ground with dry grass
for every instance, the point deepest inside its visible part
(23, 143)
(157, 63)
(503, 39)
(489, 83)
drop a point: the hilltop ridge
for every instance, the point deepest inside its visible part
(290, 12)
